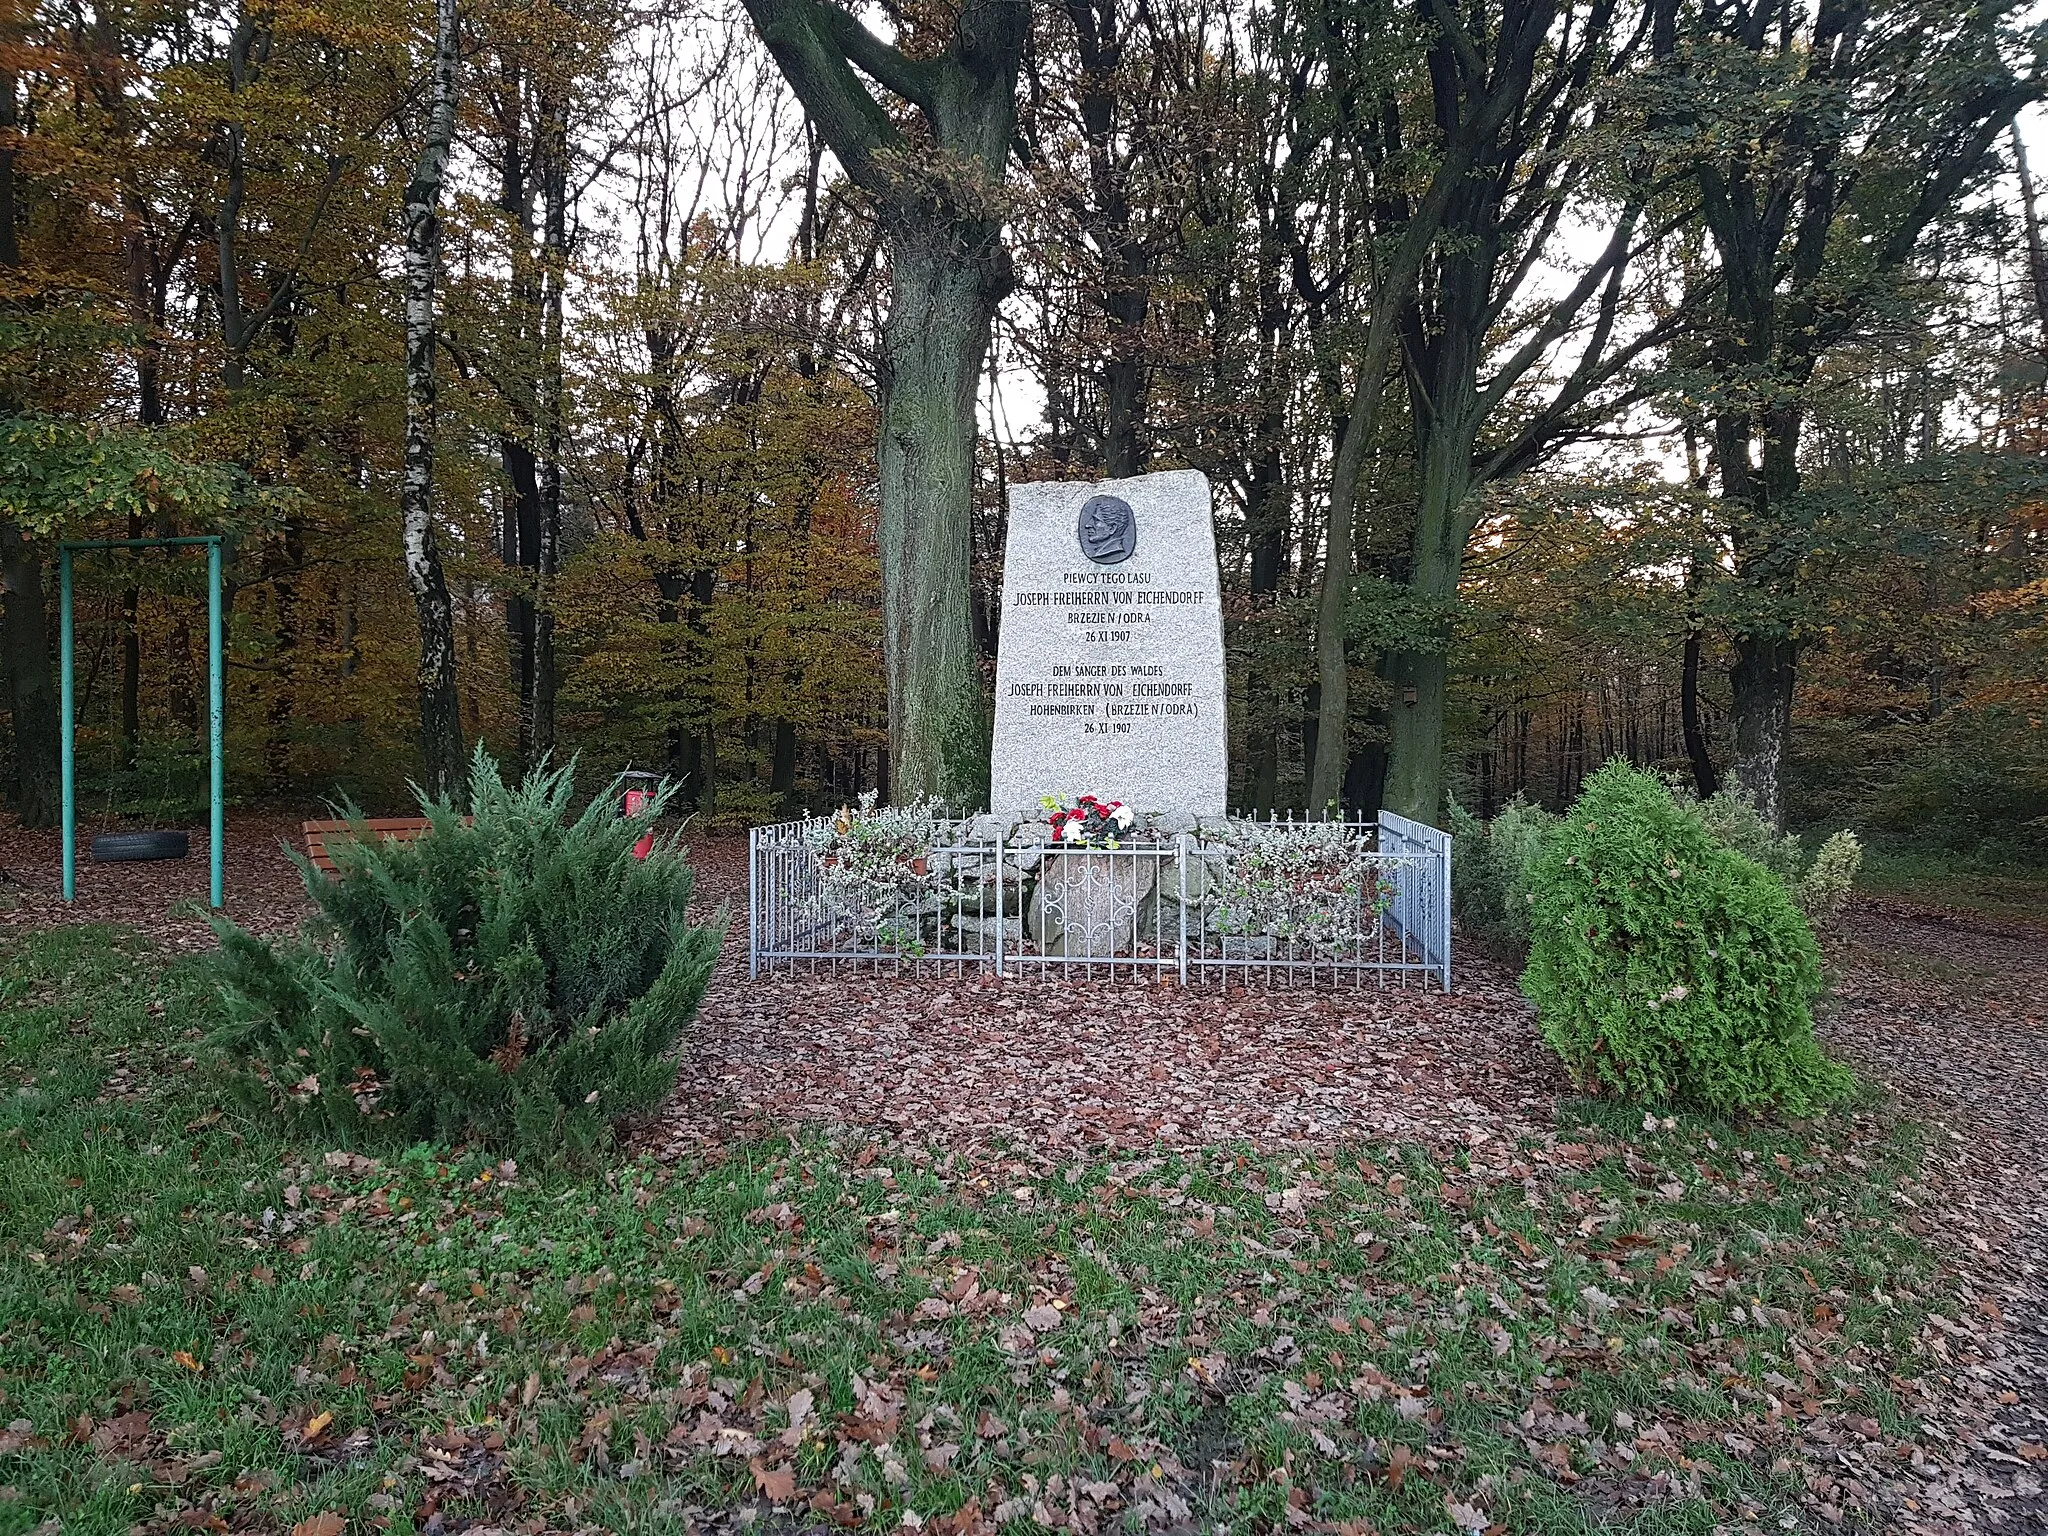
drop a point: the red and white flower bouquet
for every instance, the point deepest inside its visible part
(1090, 822)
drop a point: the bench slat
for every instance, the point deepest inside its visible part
(394, 829)
(392, 826)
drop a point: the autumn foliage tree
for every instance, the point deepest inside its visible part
(1634, 380)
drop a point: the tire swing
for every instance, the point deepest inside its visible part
(137, 847)
(131, 847)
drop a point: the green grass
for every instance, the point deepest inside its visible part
(2006, 890)
(207, 1320)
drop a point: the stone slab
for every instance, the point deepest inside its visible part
(1109, 660)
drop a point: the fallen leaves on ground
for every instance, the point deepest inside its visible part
(998, 1090)
(1950, 1010)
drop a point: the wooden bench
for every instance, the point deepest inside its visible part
(395, 829)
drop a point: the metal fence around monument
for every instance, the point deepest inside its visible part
(1021, 908)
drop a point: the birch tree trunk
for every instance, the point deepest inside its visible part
(441, 754)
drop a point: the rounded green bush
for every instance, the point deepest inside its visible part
(1665, 966)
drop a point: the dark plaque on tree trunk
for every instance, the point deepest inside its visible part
(1108, 530)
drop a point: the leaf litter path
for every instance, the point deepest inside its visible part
(1952, 1011)
(163, 898)
(1055, 1070)
(1049, 1070)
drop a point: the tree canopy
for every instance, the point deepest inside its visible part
(1576, 377)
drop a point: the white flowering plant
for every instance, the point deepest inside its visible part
(874, 860)
(1303, 882)
(1090, 821)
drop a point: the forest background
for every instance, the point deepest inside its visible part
(1663, 380)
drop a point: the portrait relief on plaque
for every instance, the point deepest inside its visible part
(1108, 530)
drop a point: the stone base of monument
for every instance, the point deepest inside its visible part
(976, 935)
(1090, 905)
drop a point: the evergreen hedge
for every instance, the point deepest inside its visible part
(1665, 966)
(1490, 867)
(513, 980)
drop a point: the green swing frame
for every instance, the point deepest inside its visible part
(216, 700)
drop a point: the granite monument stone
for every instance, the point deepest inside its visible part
(1109, 660)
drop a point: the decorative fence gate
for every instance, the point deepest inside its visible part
(1239, 902)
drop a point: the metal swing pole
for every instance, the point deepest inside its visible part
(216, 712)
(64, 689)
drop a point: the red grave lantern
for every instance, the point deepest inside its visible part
(639, 795)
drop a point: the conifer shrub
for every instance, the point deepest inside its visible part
(513, 980)
(1471, 878)
(1821, 884)
(1490, 865)
(1667, 967)
(1830, 879)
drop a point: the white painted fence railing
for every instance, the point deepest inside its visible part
(1421, 908)
(991, 900)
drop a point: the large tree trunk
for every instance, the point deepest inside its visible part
(519, 536)
(284, 565)
(248, 48)
(1124, 436)
(1775, 205)
(1331, 753)
(24, 634)
(700, 782)
(131, 658)
(689, 756)
(1267, 515)
(2037, 250)
(1447, 326)
(33, 697)
(1767, 562)
(1415, 719)
(10, 244)
(1360, 433)
(539, 717)
(1415, 735)
(782, 763)
(1761, 684)
(940, 210)
(1126, 263)
(529, 445)
(148, 414)
(440, 708)
(942, 299)
(1704, 780)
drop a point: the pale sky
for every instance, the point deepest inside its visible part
(1014, 408)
